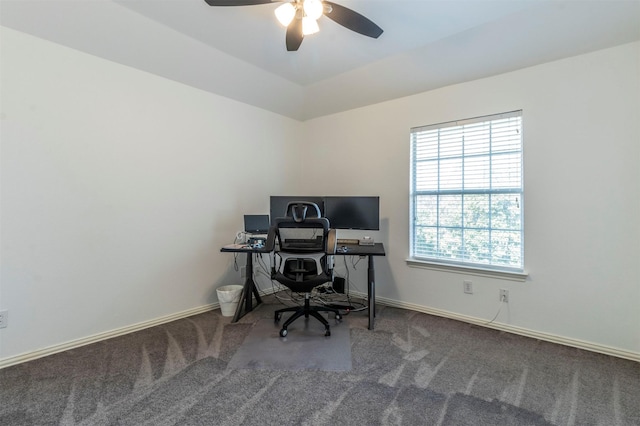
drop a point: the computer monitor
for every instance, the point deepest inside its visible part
(256, 223)
(353, 212)
(278, 204)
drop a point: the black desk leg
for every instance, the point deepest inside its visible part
(371, 290)
(248, 291)
(254, 287)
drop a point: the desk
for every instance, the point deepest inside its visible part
(249, 289)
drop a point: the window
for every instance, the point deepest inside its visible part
(466, 193)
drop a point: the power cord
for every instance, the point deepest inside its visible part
(238, 238)
(502, 303)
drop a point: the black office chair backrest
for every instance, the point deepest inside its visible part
(300, 210)
(303, 230)
(305, 239)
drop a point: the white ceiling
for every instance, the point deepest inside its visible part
(239, 52)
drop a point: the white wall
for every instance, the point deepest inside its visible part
(118, 190)
(582, 194)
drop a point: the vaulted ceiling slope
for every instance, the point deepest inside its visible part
(239, 52)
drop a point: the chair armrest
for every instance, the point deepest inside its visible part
(332, 242)
(271, 239)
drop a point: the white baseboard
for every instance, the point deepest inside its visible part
(30, 356)
(40, 353)
(580, 344)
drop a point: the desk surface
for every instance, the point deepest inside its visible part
(243, 248)
(351, 249)
(357, 250)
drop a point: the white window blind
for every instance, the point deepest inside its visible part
(466, 192)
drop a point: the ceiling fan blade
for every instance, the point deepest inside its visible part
(294, 35)
(236, 2)
(352, 20)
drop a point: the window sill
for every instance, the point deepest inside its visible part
(468, 270)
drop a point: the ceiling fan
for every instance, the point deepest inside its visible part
(300, 17)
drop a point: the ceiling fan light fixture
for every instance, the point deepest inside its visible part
(285, 14)
(300, 17)
(309, 26)
(313, 8)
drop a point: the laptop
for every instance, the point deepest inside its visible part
(256, 223)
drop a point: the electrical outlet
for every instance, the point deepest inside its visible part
(467, 287)
(504, 295)
(4, 319)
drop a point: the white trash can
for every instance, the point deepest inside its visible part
(229, 296)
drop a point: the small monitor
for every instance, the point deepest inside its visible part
(353, 212)
(256, 223)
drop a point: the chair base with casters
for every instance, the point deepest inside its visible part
(306, 310)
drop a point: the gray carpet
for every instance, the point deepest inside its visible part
(413, 369)
(304, 348)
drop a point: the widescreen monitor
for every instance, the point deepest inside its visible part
(353, 212)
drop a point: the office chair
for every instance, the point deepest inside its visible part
(303, 244)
